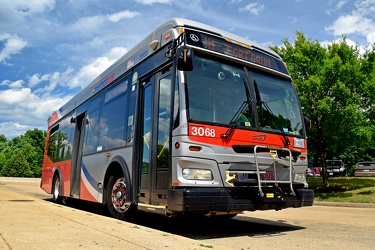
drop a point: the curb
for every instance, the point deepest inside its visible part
(344, 204)
(20, 179)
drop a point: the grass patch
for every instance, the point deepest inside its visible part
(344, 189)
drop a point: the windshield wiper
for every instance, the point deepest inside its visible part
(259, 103)
(244, 105)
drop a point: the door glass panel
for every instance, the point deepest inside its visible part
(146, 137)
(162, 161)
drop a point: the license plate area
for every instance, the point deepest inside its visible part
(264, 175)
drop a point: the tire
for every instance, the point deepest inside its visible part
(56, 190)
(117, 201)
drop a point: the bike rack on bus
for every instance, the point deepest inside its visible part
(273, 153)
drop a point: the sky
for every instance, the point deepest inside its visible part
(52, 49)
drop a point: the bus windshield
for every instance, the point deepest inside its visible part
(217, 90)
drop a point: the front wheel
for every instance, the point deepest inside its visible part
(116, 198)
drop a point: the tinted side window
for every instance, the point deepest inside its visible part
(61, 141)
(106, 125)
(112, 121)
(92, 137)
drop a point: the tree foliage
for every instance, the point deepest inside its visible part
(22, 156)
(335, 84)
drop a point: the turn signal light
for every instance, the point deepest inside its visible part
(195, 148)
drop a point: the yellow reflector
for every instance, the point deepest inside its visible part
(270, 195)
(195, 148)
(167, 36)
(228, 40)
(181, 30)
(238, 43)
(248, 47)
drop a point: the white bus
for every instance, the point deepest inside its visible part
(192, 120)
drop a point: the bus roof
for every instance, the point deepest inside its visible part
(132, 57)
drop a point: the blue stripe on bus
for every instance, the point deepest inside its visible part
(90, 179)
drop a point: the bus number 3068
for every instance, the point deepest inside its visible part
(200, 131)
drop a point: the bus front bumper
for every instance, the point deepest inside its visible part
(205, 200)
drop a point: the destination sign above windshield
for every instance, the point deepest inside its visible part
(223, 46)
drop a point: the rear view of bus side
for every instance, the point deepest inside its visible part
(192, 120)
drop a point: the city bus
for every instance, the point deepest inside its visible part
(192, 121)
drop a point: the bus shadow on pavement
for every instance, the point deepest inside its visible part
(197, 227)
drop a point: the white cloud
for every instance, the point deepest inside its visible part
(12, 85)
(235, 1)
(121, 15)
(87, 25)
(89, 72)
(360, 21)
(350, 24)
(34, 6)
(21, 107)
(76, 79)
(349, 42)
(16, 14)
(12, 45)
(150, 2)
(37, 78)
(253, 8)
(90, 24)
(371, 38)
(12, 129)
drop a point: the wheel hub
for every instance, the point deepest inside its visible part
(119, 196)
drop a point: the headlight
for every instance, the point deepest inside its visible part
(197, 174)
(300, 177)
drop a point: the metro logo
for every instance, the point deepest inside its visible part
(259, 137)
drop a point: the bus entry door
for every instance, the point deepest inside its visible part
(155, 120)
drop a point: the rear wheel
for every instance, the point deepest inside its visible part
(56, 189)
(116, 198)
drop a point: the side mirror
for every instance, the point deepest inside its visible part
(307, 124)
(185, 56)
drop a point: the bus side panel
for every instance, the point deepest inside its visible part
(48, 171)
(89, 186)
(47, 175)
(93, 171)
(65, 176)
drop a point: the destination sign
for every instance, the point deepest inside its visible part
(223, 46)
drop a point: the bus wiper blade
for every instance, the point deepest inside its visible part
(244, 105)
(233, 122)
(286, 140)
(260, 103)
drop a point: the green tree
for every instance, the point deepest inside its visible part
(2, 138)
(17, 166)
(31, 145)
(33, 149)
(335, 87)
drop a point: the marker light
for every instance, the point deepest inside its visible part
(195, 148)
(197, 174)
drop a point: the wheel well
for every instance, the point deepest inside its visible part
(114, 169)
(57, 173)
